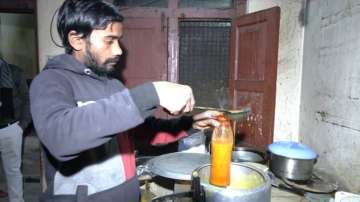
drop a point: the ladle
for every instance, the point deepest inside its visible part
(232, 114)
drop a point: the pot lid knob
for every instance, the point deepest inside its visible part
(293, 150)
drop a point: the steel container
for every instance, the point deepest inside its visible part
(247, 154)
(260, 193)
(290, 168)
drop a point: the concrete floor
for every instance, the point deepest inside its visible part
(31, 172)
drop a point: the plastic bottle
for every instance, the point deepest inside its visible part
(221, 151)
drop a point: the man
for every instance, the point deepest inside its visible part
(79, 112)
(14, 118)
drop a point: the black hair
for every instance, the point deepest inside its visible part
(83, 16)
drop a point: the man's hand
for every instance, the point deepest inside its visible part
(175, 98)
(206, 120)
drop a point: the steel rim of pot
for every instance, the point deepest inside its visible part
(263, 187)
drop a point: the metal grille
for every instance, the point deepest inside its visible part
(206, 3)
(204, 60)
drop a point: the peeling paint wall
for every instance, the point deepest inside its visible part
(330, 101)
(47, 49)
(288, 85)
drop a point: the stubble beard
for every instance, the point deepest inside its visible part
(93, 63)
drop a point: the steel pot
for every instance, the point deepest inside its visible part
(259, 191)
(292, 169)
(291, 160)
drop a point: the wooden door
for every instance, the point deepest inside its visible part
(253, 70)
(145, 51)
(145, 57)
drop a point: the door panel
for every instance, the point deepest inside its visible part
(250, 132)
(144, 42)
(145, 59)
(253, 69)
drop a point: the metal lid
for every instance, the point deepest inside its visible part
(177, 165)
(293, 150)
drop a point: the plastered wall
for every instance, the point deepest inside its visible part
(330, 102)
(45, 12)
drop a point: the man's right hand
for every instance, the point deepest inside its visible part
(175, 98)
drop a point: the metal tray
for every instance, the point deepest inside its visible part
(178, 165)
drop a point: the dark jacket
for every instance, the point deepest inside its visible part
(76, 114)
(82, 122)
(20, 106)
(21, 97)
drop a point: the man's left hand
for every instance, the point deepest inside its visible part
(206, 120)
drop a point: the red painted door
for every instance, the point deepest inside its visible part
(145, 59)
(145, 45)
(253, 70)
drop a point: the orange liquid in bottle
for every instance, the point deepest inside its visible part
(221, 150)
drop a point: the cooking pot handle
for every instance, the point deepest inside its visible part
(197, 189)
(267, 156)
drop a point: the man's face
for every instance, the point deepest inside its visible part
(103, 49)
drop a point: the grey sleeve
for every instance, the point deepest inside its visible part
(145, 98)
(67, 130)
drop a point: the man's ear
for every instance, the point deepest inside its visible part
(76, 41)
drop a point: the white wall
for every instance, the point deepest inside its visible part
(330, 103)
(45, 11)
(288, 86)
(18, 41)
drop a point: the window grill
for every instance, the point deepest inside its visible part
(204, 60)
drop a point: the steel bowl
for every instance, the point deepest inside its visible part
(247, 154)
